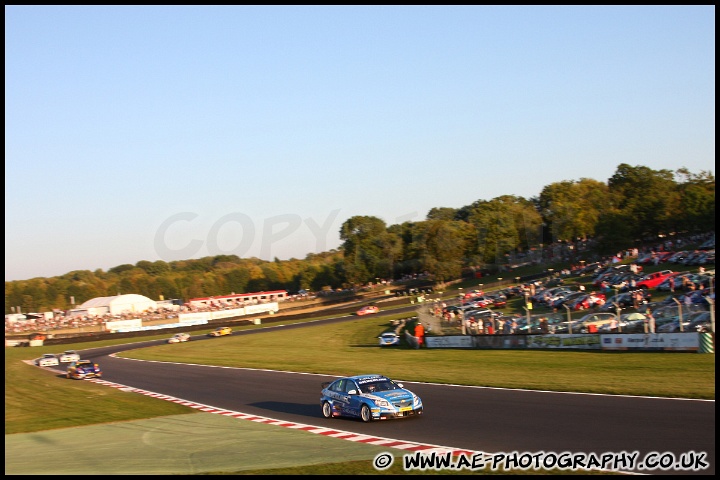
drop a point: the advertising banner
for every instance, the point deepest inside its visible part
(590, 341)
(193, 317)
(499, 341)
(681, 342)
(261, 307)
(236, 312)
(462, 341)
(124, 325)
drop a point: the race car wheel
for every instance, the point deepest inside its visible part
(365, 414)
(327, 410)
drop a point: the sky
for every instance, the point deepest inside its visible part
(178, 132)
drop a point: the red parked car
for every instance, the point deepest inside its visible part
(652, 280)
(587, 301)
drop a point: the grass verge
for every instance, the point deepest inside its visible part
(36, 400)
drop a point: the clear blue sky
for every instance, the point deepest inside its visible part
(167, 133)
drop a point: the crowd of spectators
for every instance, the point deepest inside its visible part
(61, 320)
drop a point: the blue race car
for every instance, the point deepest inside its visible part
(84, 369)
(368, 397)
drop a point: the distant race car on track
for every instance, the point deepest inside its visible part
(368, 397)
(47, 360)
(83, 369)
(220, 331)
(179, 337)
(69, 356)
(367, 310)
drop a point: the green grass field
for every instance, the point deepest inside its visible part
(36, 400)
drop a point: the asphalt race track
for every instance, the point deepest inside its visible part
(473, 419)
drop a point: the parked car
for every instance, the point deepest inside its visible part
(368, 397)
(554, 282)
(693, 322)
(452, 309)
(566, 327)
(69, 356)
(367, 310)
(700, 322)
(671, 313)
(549, 295)
(592, 322)
(481, 301)
(586, 301)
(545, 295)
(498, 300)
(389, 339)
(676, 278)
(562, 300)
(47, 360)
(709, 258)
(471, 295)
(179, 337)
(589, 268)
(552, 321)
(652, 280)
(703, 280)
(82, 369)
(630, 323)
(625, 300)
(477, 313)
(220, 331)
(678, 256)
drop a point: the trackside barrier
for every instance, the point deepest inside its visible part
(678, 342)
(130, 325)
(707, 343)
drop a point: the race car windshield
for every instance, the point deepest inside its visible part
(378, 387)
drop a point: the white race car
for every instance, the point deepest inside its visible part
(389, 339)
(69, 356)
(47, 360)
(179, 337)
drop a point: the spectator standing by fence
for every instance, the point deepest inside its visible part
(420, 333)
(614, 325)
(650, 321)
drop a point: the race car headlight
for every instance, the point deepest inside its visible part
(416, 400)
(382, 403)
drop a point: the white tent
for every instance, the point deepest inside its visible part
(118, 304)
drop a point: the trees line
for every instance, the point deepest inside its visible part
(636, 204)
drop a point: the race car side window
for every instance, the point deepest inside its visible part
(350, 385)
(338, 386)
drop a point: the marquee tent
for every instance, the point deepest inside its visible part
(118, 304)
